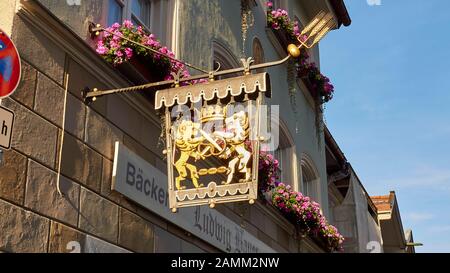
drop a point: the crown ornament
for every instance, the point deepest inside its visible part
(213, 113)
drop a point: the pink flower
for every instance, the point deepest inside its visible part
(163, 50)
(127, 24)
(128, 52)
(117, 35)
(114, 44)
(115, 26)
(269, 4)
(296, 30)
(102, 50)
(303, 38)
(119, 53)
(185, 74)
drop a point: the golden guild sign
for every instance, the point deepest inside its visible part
(212, 140)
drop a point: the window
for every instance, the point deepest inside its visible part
(140, 12)
(258, 54)
(154, 15)
(224, 58)
(310, 180)
(279, 4)
(115, 8)
(286, 156)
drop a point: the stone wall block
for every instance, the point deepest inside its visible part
(12, 176)
(21, 230)
(32, 135)
(42, 194)
(98, 215)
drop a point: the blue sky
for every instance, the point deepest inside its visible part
(390, 114)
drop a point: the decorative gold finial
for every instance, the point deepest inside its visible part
(97, 33)
(246, 63)
(293, 50)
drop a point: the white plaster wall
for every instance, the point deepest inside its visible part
(7, 12)
(355, 222)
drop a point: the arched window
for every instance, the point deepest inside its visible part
(286, 156)
(258, 53)
(279, 4)
(310, 179)
(223, 56)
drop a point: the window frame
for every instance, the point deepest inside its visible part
(288, 152)
(162, 19)
(222, 55)
(121, 3)
(131, 16)
(307, 165)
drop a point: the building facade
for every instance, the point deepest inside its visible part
(56, 132)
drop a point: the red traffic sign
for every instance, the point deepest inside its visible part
(9, 66)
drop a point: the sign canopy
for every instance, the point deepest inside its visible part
(9, 66)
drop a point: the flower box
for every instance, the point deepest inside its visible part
(139, 71)
(307, 82)
(287, 31)
(139, 55)
(282, 36)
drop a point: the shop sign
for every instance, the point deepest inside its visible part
(146, 185)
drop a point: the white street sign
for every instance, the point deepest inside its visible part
(6, 125)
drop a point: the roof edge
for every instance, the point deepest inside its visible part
(341, 12)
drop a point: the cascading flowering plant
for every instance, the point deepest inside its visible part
(306, 215)
(116, 50)
(320, 83)
(279, 19)
(268, 173)
(296, 207)
(268, 169)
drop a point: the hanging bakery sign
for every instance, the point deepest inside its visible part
(212, 140)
